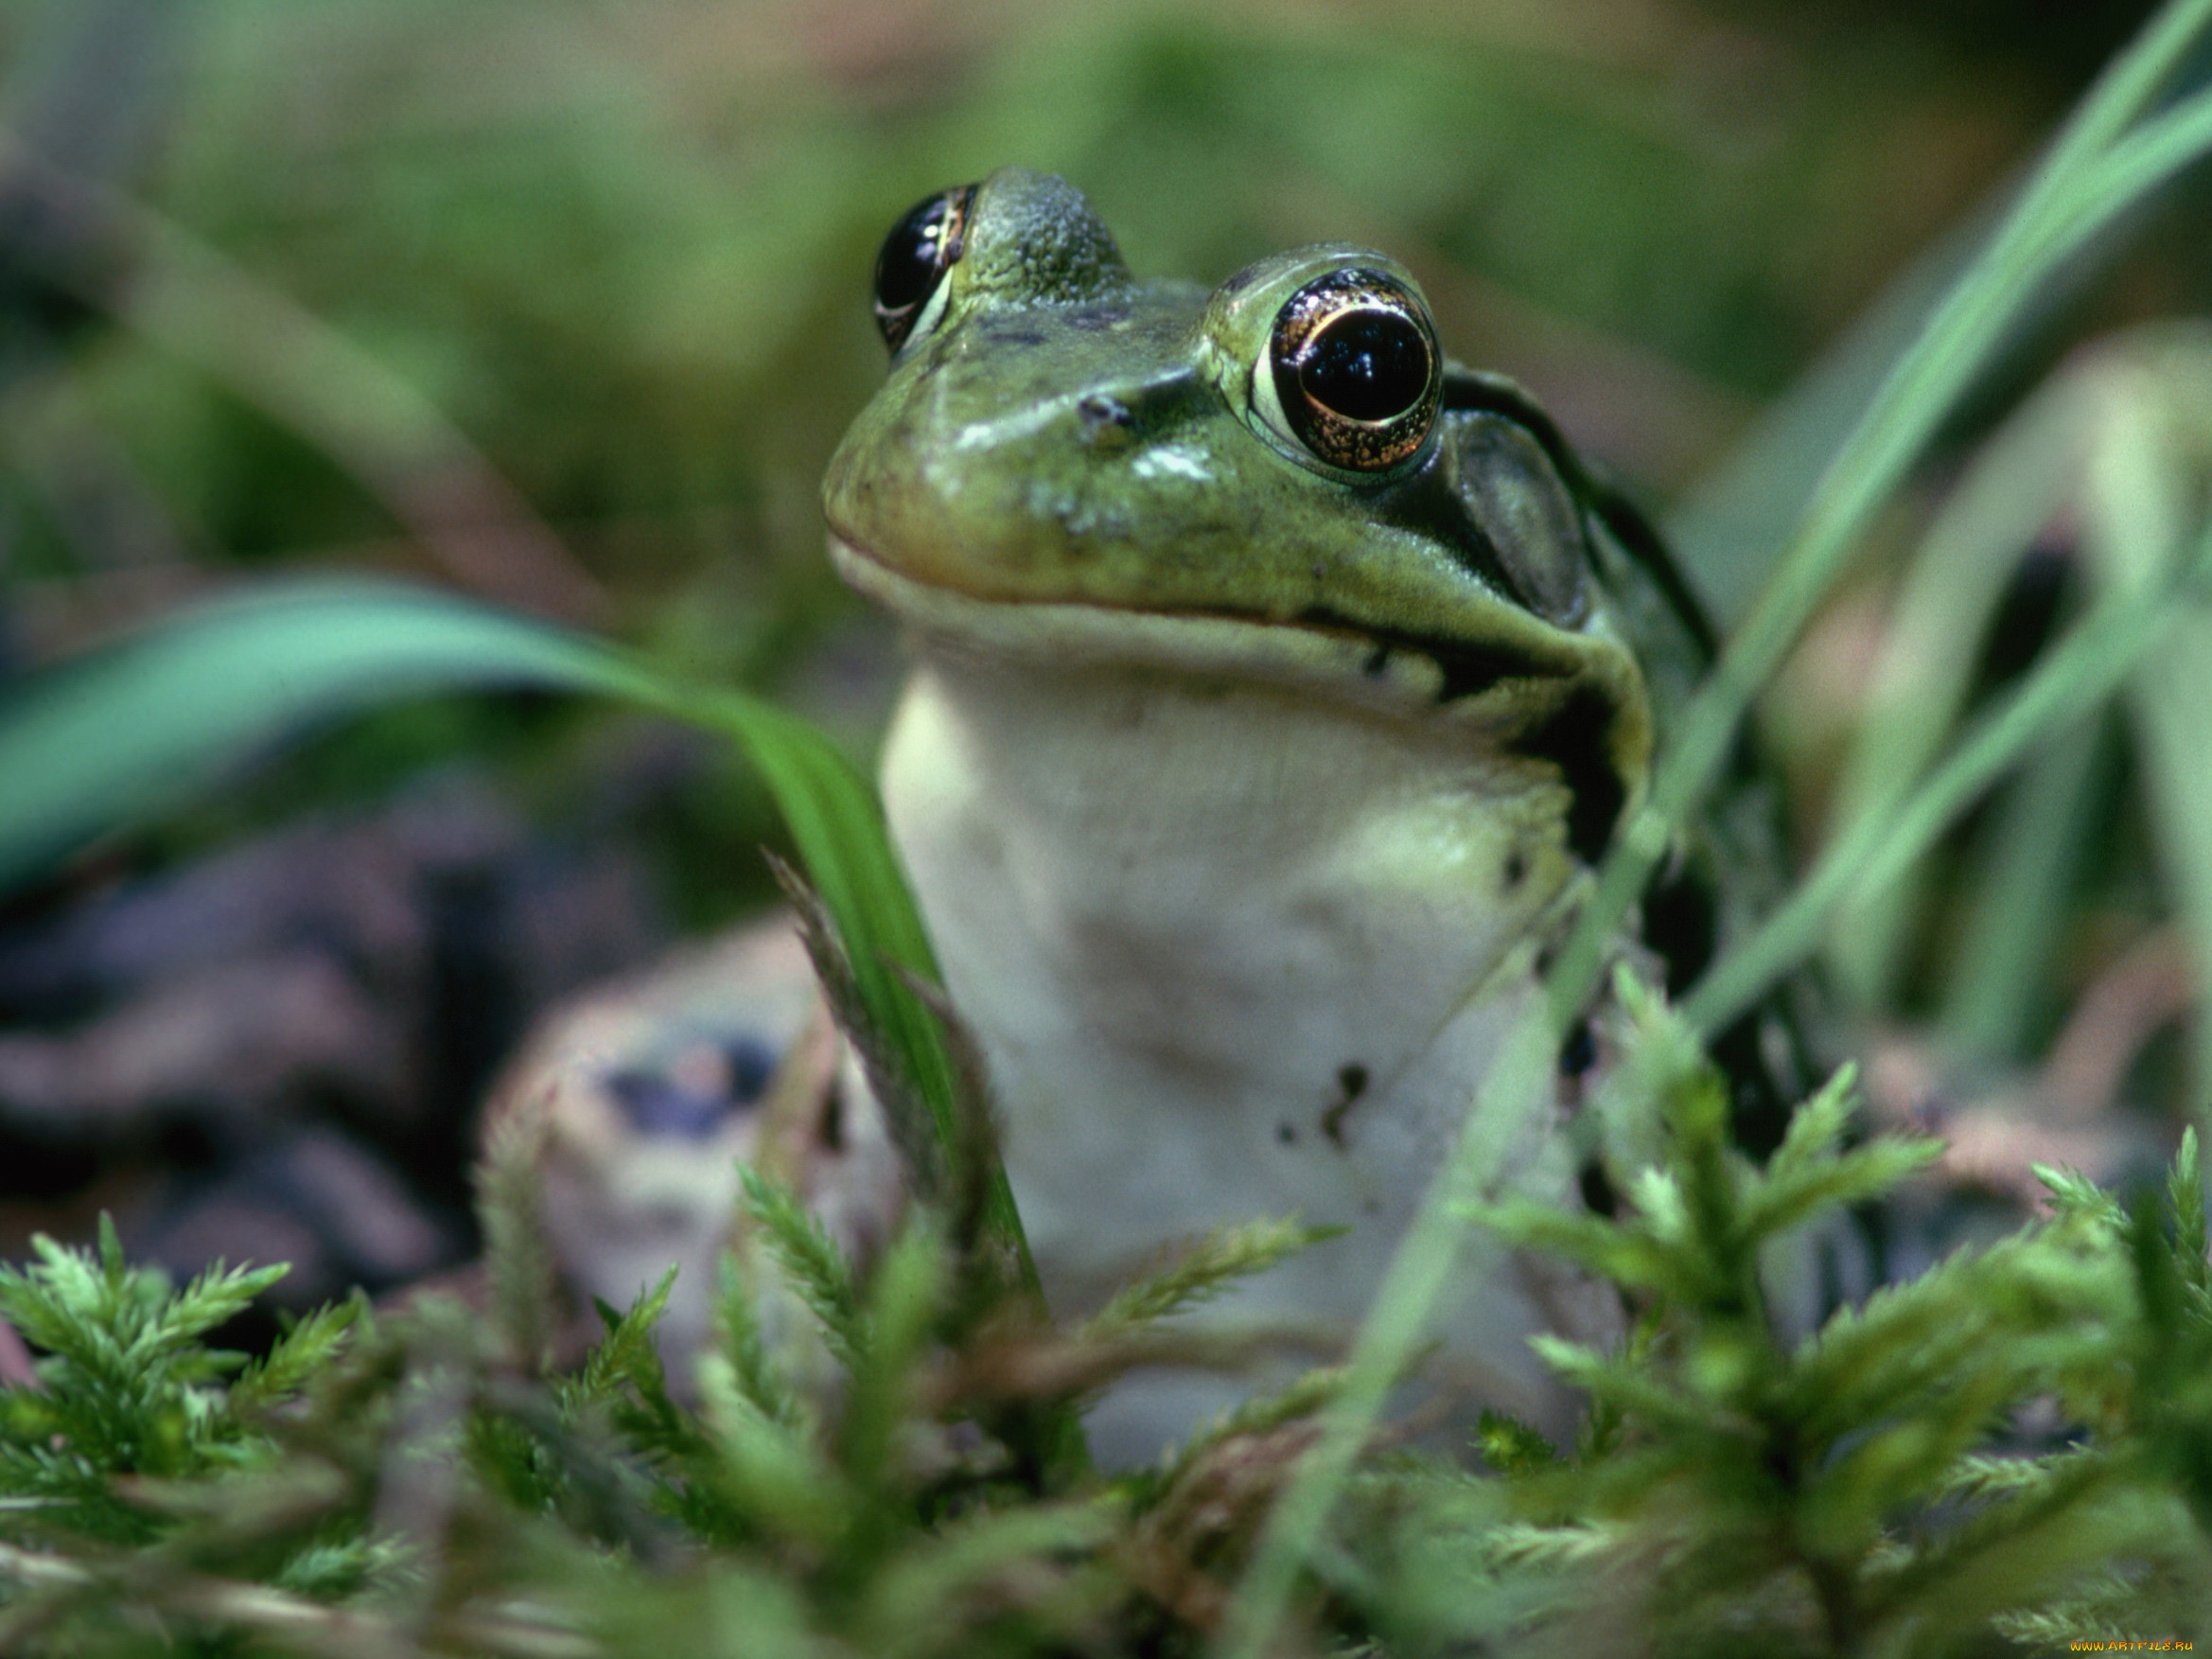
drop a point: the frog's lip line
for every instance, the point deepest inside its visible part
(1397, 669)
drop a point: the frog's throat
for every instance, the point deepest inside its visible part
(1231, 949)
(1405, 671)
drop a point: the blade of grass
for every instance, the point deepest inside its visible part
(2146, 158)
(2014, 486)
(1727, 529)
(2089, 666)
(1921, 390)
(2142, 493)
(103, 741)
(2058, 212)
(2167, 702)
(2003, 970)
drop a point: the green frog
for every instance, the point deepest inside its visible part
(1277, 684)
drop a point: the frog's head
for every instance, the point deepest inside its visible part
(1283, 478)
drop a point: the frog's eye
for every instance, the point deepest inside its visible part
(1356, 371)
(910, 266)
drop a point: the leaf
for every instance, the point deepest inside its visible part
(1982, 1476)
(2017, 908)
(2017, 1311)
(973, 1570)
(1305, 1395)
(2015, 484)
(1816, 1128)
(1866, 1172)
(2142, 524)
(1510, 1446)
(754, 1368)
(299, 1356)
(1628, 1255)
(1810, 1171)
(779, 1479)
(2185, 1193)
(1197, 1272)
(905, 1292)
(623, 1374)
(625, 1355)
(523, 1277)
(98, 743)
(103, 741)
(812, 1263)
(2067, 685)
(2076, 1195)
(1627, 1384)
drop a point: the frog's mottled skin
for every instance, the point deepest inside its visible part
(1244, 796)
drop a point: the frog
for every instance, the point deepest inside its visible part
(1276, 684)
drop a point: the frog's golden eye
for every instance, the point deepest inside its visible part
(1356, 369)
(911, 265)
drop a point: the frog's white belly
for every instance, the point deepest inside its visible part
(1234, 949)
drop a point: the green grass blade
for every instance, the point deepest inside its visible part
(2015, 486)
(2086, 667)
(2017, 913)
(2141, 501)
(2149, 156)
(2167, 704)
(107, 741)
(1727, 528)
(2073, 195)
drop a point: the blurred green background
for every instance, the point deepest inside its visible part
(564, 303)
(622, 250)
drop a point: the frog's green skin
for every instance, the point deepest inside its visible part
(1242, 795)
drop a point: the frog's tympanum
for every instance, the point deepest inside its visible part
(1277, 683)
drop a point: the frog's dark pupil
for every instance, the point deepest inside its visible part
(1366, 365)
(907, 270)
(922, 247)
(1356, 369)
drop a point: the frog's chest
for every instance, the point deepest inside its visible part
(1230, 952)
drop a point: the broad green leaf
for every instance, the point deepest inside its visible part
(102, 742)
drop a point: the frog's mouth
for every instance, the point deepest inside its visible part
(1577, 701)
